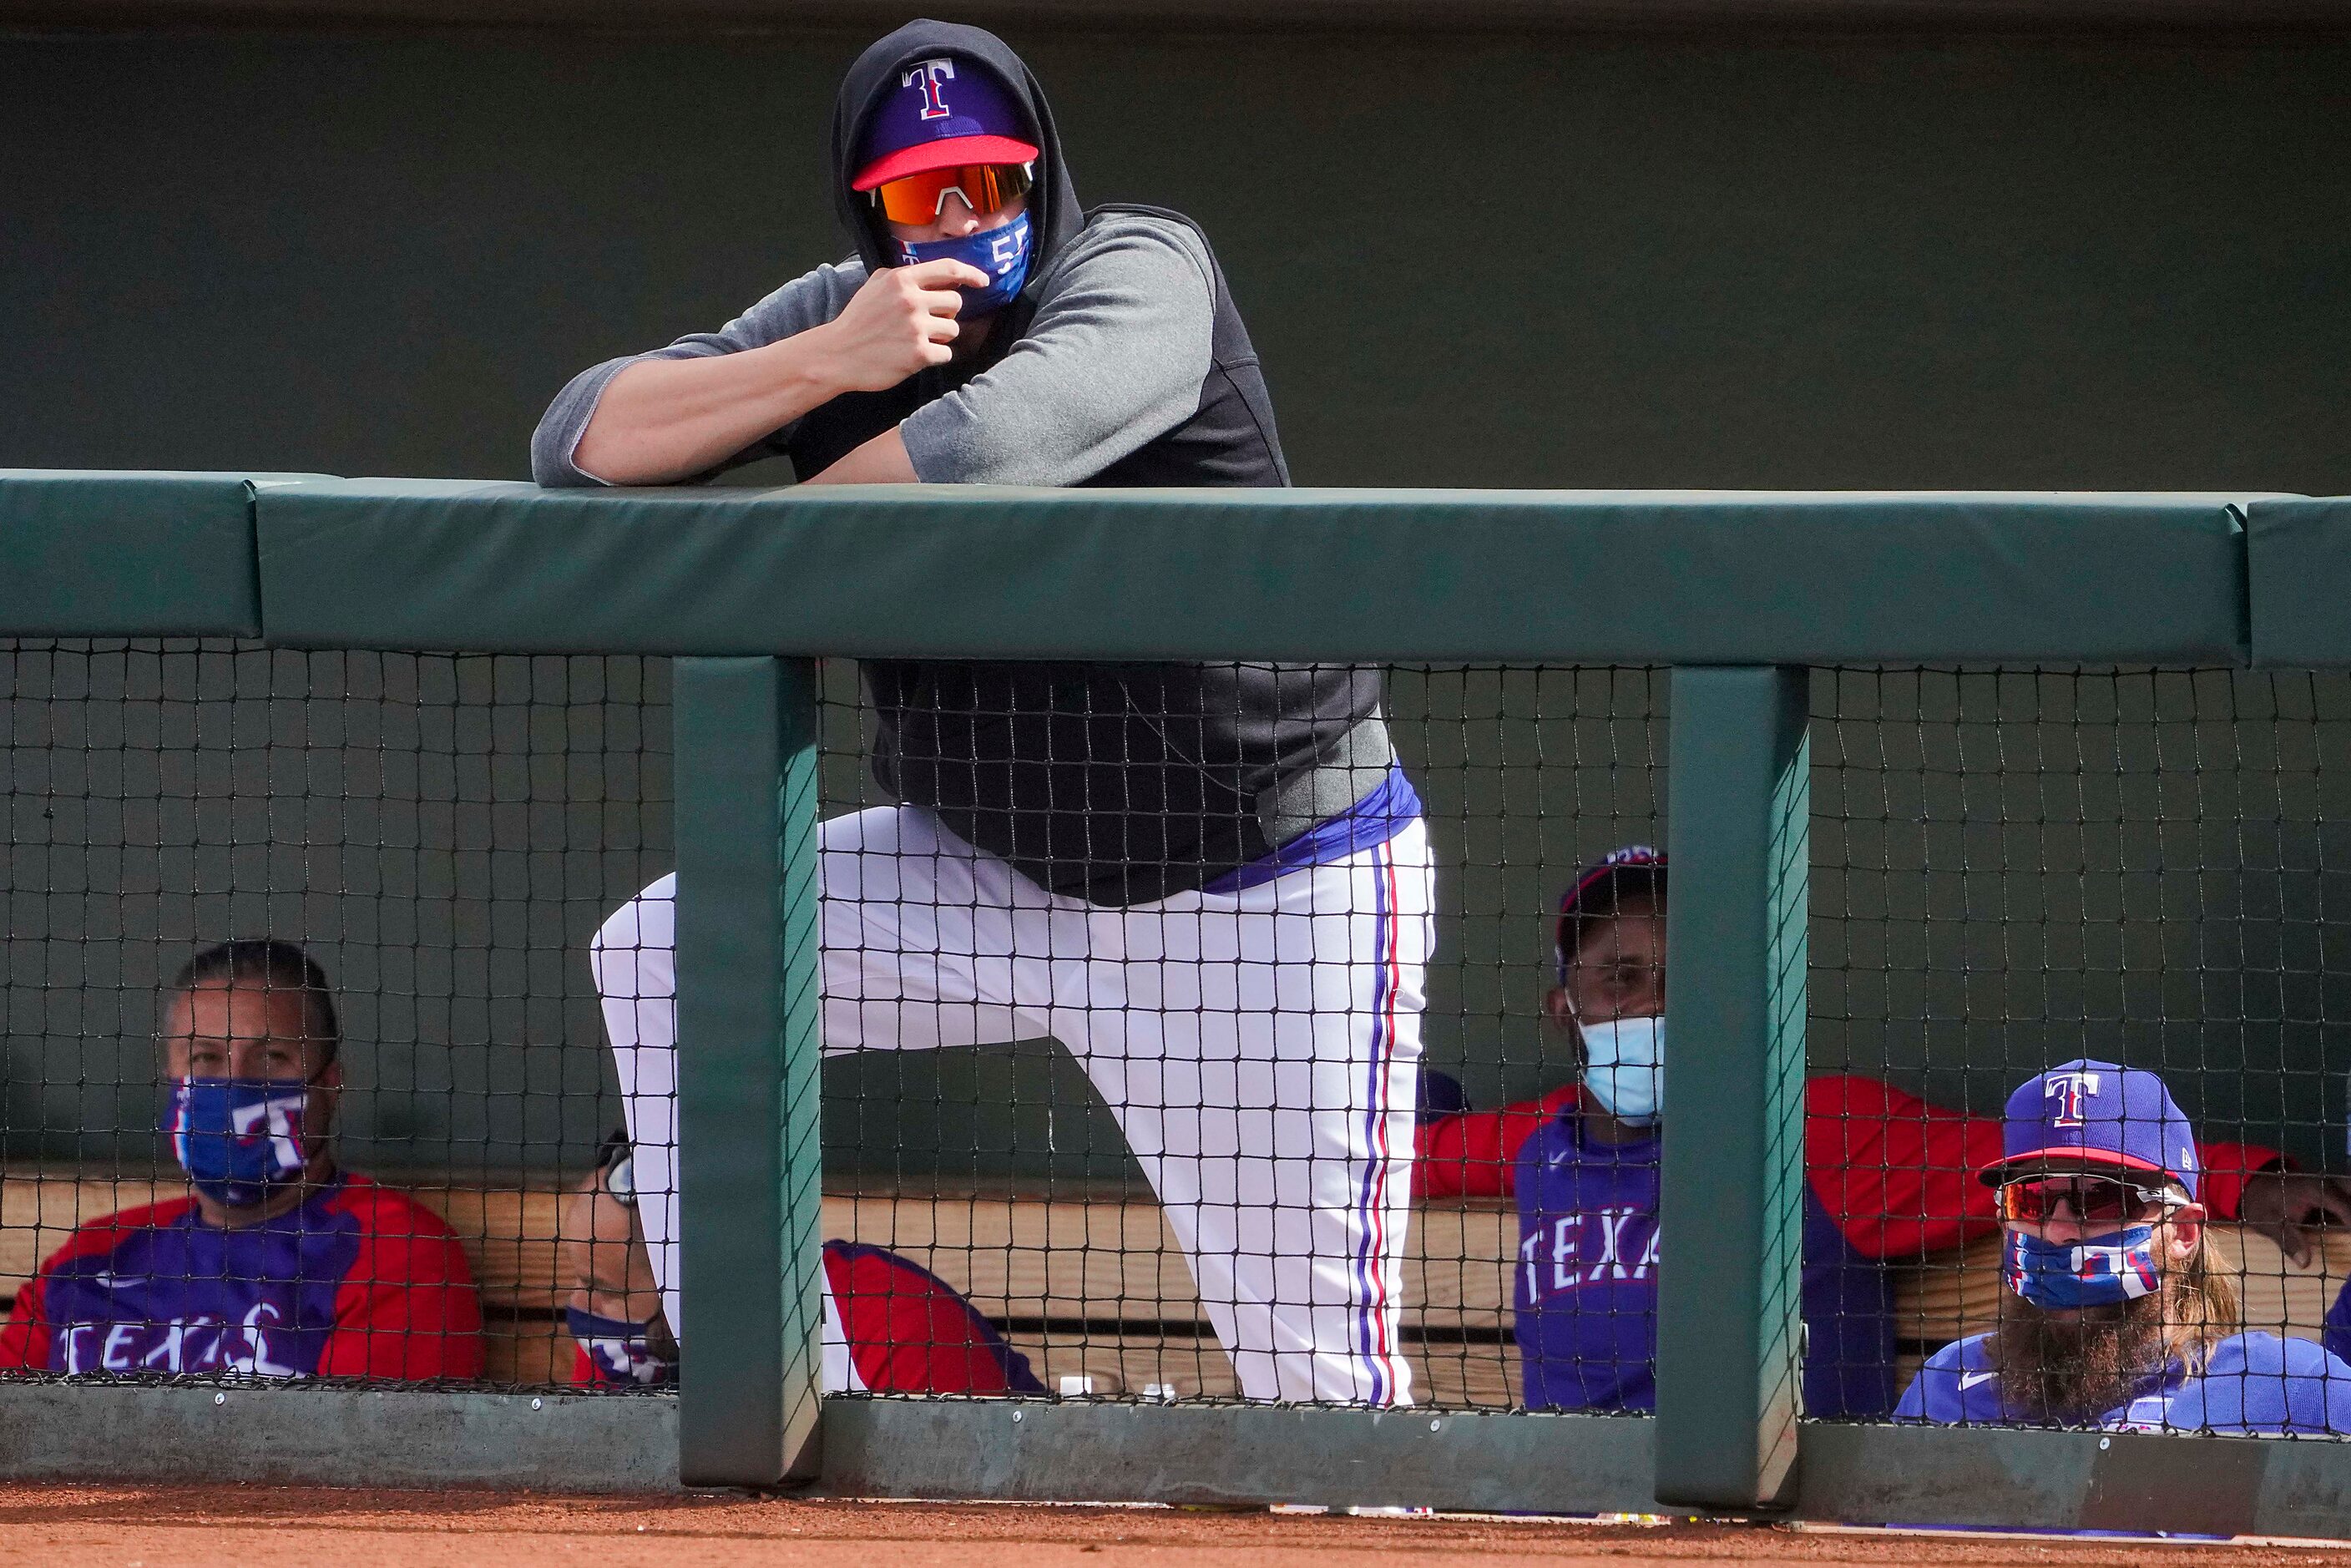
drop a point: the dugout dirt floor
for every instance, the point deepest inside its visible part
(241, 1527)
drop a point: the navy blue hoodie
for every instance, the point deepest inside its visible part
(1115, 783)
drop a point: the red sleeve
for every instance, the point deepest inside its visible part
(910, 1333)
(2226, 1166)
(1474, 1154)
(408, 1308)
(1898, 1174)
(26, 1343)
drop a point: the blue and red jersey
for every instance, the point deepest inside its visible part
(2251, 1384)
(889, 1327)
(358, 1282)
(1887, 1176)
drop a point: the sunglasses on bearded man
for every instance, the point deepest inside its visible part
(985, 188)
(2090, 1200)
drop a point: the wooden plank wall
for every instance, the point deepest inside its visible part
(1083, 1288)
(1098, 1288)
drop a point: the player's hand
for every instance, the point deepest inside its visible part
(900, 321)
(2284, 1204)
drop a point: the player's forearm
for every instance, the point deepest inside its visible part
(666, 419)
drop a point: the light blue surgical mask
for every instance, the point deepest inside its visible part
(2065, 1276)
(1625, 1067)
(1001, 252)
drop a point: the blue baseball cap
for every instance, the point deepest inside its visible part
(1633, 867)
(944, 112)
(2090, 1114)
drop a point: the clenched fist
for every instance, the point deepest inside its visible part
(903, 320)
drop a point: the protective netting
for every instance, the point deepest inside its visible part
(1168, 1148)
(2105, 908)
(439, 835)
(1005, 1169)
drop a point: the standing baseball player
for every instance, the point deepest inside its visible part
(2119, 1316)
(1210, 882)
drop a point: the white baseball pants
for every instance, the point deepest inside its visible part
(1260, 1050)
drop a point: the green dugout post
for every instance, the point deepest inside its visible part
(749, 1034)
(1730, 1320)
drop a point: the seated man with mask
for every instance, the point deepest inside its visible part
(2118, 1318)
(1888, 1177)
(276, 1265)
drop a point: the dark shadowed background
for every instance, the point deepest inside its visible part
(1555, 258)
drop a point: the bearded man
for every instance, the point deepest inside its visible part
(2119, 1317)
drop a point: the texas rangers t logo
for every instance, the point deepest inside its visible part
(928, 75)
(283, 1116)
(2067, 1089)
(2128, 1264)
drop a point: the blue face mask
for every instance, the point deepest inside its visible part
(239, 1139)
(2067, 1276)
(1002, 253)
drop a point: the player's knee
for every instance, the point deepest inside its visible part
(646, 920)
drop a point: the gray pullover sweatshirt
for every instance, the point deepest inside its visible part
(1115, 357)
(1123, 361)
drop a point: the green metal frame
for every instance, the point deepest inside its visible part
(1738, 593)
(1047, 1451)
(119, 555)
(952, 571)
(1729, 1319)
(749, 1042)
(2298, 560)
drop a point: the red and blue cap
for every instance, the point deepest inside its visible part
(1638, 867)
(944, 112)
(2087, 1114)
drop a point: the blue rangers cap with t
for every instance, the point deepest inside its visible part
(943, 113)
(1598, 887)
(2086, 1115)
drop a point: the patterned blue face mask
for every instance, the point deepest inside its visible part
(239, 1139)
(1002, 253)
(2067, 1276)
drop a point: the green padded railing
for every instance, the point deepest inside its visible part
(1737, 592)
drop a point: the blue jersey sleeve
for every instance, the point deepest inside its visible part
(2337, 1389)
(1956, 1384)
(1912, 1406)
(2258, 1383)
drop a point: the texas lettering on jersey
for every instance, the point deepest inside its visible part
(189, 1344)
(357, 1281)
(1576, 1250)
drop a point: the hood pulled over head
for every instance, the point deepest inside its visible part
(1054, 217)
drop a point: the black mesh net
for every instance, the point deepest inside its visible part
(439, 835)
(1172, 1148)
(2106, 905)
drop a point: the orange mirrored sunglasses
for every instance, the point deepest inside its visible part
(919, 198)
(2095, 1200)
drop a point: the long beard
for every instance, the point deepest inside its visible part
(2078, 1366)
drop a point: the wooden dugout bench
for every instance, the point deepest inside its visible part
(1094, 1286)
